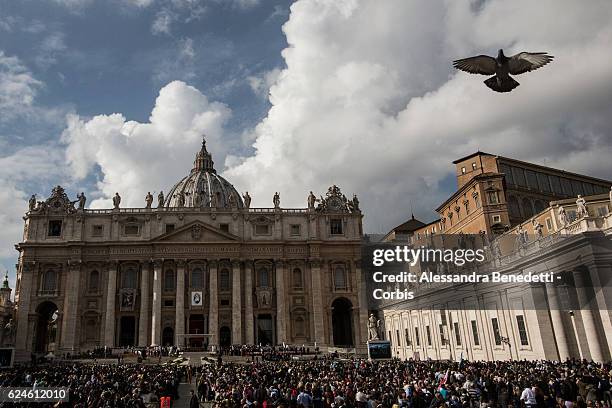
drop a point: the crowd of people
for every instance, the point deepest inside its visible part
(333, 383)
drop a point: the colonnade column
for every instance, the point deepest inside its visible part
(557, 322)
(143, 320)
(111, 297)
(236, 303)
(70, 312)
(317, 303)
(179, 322)
(248, 303)
(281, 321)
(24, 336)
(588, 317)
(601, 277)
(213, 308)
(156, 312)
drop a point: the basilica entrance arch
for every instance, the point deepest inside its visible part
(127, 331)
(46, 327)
(342, 317)
(168, 336)
(225, 336)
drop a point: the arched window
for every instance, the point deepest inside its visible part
(49, 282)
(128, 278)
(339, 278)
(264, 277)
(197, 278)
(169, 280)
(297, 278)
(94, 281)
(224, 279)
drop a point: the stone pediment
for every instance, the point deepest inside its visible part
(196, 232)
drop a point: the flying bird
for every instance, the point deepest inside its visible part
(502, 67)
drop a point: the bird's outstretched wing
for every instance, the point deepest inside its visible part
(482, 64)
(527, 61)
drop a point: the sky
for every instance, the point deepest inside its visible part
(115, 95)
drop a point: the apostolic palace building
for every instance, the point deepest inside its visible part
(200, 268)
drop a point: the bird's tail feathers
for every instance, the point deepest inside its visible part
(500, 84)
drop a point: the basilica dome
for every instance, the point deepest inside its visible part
(203, 187)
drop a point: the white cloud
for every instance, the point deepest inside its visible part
(139, 157)
(18, 87)
(50, 49)
(369, 101)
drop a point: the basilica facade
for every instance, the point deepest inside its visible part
(198, 267)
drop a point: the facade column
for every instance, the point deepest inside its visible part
(236, 303)
(70, 310)
(601, 277)
(281, 303)
(179, 322)
(248, 302)
(156, 312)
(213, 308)
(143, 321)
(24, 335)
(317, 303)
(557, 322)
(588, 316)
(362, 298)
(111, 298)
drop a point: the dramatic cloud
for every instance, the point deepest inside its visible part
(139, 157)
(368, 100)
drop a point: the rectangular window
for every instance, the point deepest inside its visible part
(336, 226)
(457, 333)
(474, 166)
(475, 333)
(416, 336)
(442, 338)
(407, 336)
(428, 331)
(389, 337)
(96, 230)
(496, 333)
(555, 183)
(543, 182)
(532, 180)
(398, 337)
(463, 170)
(549, 224)
(492, 197)
(168, 303)
(520, 322)
(169, 228)
(224, 227)
(131, 230)
(225, 302)
(295, 229)
(519, 176)
(507, 173)
(55, 228)
(262, 229)
(496, 219)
